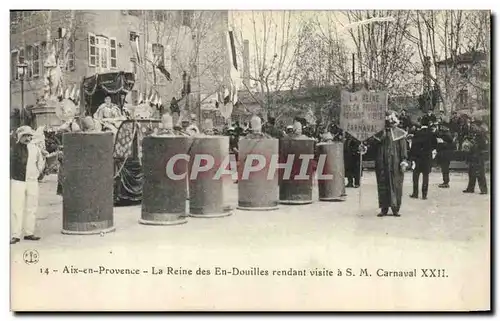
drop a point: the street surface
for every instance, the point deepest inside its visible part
(450, 230)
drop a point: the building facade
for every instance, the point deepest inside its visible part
(164, 49)
(465, 83)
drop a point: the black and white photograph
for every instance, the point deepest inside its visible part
(250, 160)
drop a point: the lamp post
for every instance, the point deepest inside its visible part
(21, 70)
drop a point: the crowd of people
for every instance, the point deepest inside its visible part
(403, 144)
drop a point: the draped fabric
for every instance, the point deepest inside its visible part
(112, 84)
(128, 184)
(390, 152)
(127, 154)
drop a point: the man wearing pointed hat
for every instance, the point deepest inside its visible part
(26, 163)
(390, 164)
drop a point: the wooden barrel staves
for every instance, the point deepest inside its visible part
(88, 183)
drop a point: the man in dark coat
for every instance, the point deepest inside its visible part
(476, 146)
(429, 118)
(445, 150)
(404, 121)
(271, 129)
(390, 165)
(424, 143)
(352, 161)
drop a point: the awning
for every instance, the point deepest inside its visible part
(113, 84)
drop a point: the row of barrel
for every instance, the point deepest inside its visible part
(168, 185)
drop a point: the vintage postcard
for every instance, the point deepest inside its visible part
(224, 160)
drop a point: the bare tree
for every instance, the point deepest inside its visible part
(189, 43)
(275, 45)
(383, 55)
(444, 36)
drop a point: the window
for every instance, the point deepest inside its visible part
(102, 45)
(159, 15)
(21, 56)
(92, 51)
(485, 99)
(29, 62)
(133, 35)
(43, 56)
(135, 97)
(112, 55)
(14, 59)
(463, 97)
(71, 54)
(136, 13)
(102, 52)
(36, 61)
(158, 54)
(187, 16)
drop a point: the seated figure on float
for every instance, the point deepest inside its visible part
(109, 115)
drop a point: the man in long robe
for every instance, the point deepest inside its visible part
(390, 165)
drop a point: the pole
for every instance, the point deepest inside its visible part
(360, 172)
(21, 110)
(353, 74)
(83, 112)
(199, 82)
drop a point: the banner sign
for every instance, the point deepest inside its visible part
(362, 113)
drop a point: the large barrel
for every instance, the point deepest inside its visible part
(88, 183)
(331, 171)
(257, 191)
(165, 162)
(294, 190)
(206, 187)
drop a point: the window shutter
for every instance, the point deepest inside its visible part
(71, 54)
(92, 50)
(13, 65)
(113, 57)
(36, 60)
(29, 62)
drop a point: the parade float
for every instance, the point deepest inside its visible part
(139, 121)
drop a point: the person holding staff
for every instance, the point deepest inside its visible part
(390, 165)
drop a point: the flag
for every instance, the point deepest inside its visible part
(152, 96)
(159, 101)
(73, 92)
(234, 74)
(164, 71)
(137, 50)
